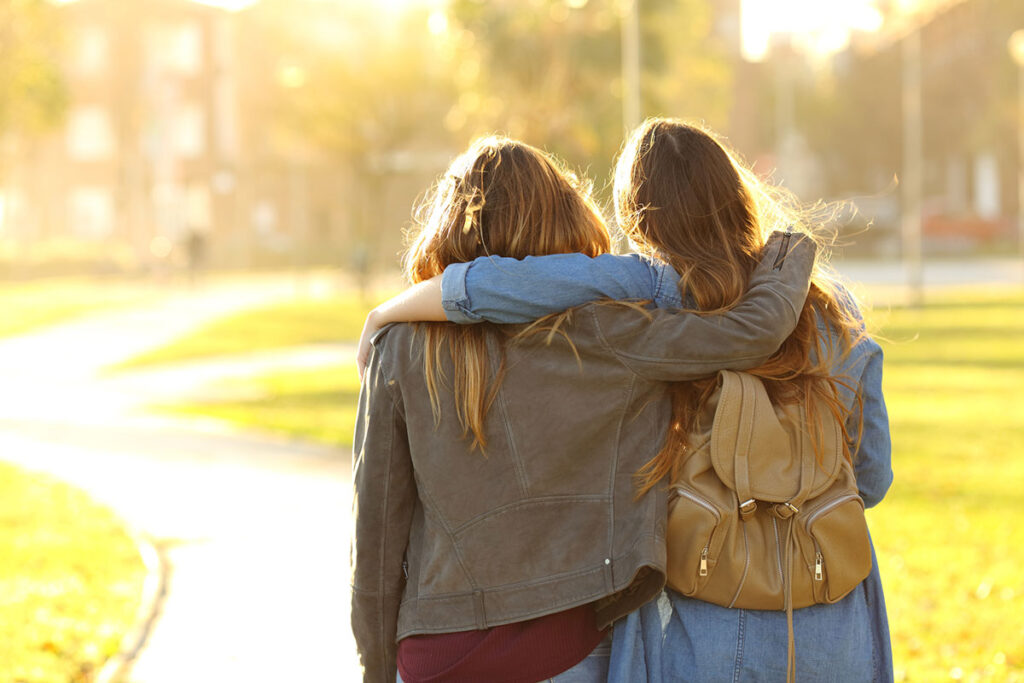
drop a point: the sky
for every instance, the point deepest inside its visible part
(824, 26)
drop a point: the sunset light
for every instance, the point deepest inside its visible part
(817, 26)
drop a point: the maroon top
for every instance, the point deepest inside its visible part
(524, 652)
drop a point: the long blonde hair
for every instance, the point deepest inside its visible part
(683, 197)
(505, 198)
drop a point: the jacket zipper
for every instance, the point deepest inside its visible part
(783, 249)
(825, 508)
(703, 571)
(405, 569)
(819, 560)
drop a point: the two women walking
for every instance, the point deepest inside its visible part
(513, 473)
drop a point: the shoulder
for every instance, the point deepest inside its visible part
(394, 345)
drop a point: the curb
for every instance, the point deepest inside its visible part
(154, 592)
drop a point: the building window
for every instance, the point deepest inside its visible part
(187, 49)
(986, 186)
(190, 131)
(90, 135)
(91, 212)
(91, 50)
(175, 48)
(198, 213)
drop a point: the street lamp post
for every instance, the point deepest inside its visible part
(912, 172)
(1016, 46)
(630, 64)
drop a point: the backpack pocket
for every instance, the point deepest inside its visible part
(692, 541)
(839, 555)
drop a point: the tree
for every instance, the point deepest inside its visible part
(33, 96)
(355, 90)
(549, 71)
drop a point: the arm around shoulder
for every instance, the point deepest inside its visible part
(420, 302)
(679, 346)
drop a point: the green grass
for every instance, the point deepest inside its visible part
(27, 306)
(70, 581)
(311, 321)
(950, 534)
(318, 404)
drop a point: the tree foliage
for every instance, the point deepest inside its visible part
(550, 71)
(33, 96)
(346, 79)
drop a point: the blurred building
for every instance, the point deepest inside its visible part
(173, 146)
(146, 156)
(970, 119)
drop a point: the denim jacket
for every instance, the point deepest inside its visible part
(702, 641)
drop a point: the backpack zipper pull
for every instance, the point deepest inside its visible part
(704, 561)
(818, 561)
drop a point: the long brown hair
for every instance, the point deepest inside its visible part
(505, 198)
(683, 197)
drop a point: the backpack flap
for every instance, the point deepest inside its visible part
(757, 449)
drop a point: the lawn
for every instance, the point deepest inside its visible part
(315, 404)
(334, 318)
(26, 306)
(950, 535)
(70, 581)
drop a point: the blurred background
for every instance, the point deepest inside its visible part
(140, 135)
(200, 201)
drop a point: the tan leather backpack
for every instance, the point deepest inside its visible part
(755, 521)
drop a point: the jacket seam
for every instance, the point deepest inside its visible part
(737, 670)
(381, 589)
(611, 475)
(524, 484)
(456, 549)
(522, 585)
(508, 507)
(604, 341)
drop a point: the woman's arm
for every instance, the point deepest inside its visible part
(667, 346)
(872, 463)
(507, 290)
(383, 502)
(421, 302)
(860, 371)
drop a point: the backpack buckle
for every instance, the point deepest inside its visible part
(747, 509)
(784, 510)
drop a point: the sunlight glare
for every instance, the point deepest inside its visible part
(437, 22)
(824, 26)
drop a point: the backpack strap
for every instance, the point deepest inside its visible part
(738, 403)
(739, 390)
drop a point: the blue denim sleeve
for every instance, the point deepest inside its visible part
(861, 368)
(507, 290)
(873, 460)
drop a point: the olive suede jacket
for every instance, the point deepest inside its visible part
(448, 539)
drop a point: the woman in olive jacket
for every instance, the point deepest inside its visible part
(498, 530)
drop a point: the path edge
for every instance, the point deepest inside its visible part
(154, 592)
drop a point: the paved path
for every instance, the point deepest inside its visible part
(255, 530)
(885, 281)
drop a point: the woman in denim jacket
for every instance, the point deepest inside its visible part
(676, 638)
